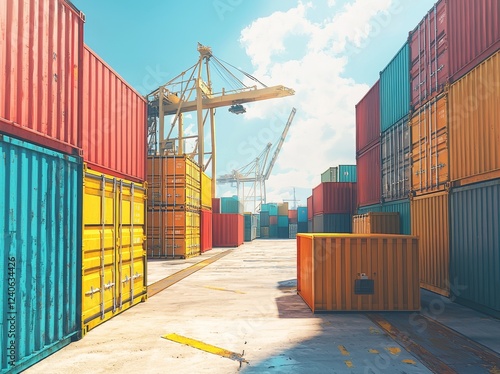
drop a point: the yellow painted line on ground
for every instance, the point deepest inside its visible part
(342, 350)
(205, 347)
(409, 362)
(349, 364)
(223, 289)
(394, 350)
(374, 351)
(164, 283)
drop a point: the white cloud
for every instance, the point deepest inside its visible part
(323, 131)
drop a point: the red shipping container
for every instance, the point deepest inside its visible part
(215, 205)
(41, 48)
(452, 38)
(369, 176)
(310, 208)
(206, 227)
(368, 119)
(227, 230)
(292, 216)
(113, 120)
(273, 220)
(334, 197)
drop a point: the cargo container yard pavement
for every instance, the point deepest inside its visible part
(246, 303)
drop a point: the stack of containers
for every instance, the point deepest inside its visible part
(273, 220)
(341, 173)
(114, 193)
(228, 228)
(250, 227)
(310, 226)
(206, 217)
(292, 223)
(302, 219)
(264, 221)
(447, 128)
(174, 205)
(283, 229)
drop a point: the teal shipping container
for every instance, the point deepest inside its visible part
(302, 227)
(264, 219)
(475, 246)
(41, 243)
(347, 173)
(273, 231)
(395, 89)
(302, 214)
(370, 208)
(264, 208)
(282, 221)
(231, 205)
(341, 223)
(403, 208)
(273, 209)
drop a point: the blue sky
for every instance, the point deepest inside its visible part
(330, 52)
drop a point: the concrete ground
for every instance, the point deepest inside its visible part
(247, 302)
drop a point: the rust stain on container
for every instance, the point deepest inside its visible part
(354, 272)
(376, 223)
(429, 220)
(429, 134)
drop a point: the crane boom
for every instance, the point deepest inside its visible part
(280, 144)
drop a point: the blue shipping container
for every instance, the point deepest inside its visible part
(230, 205)
(282, 221)
(403, 208)
(302, 214)
(370, 208)
(475, 246)
(41, 241)
(347, 173)
(395, 89)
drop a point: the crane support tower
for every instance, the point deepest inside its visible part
(256, 173)
(192, 91)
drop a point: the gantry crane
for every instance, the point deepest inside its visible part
(191, 91)
(255, 173)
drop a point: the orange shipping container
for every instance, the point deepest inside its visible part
(354, 272)
(376, 223)
(429, 221)
(474, 118)
(429, 134)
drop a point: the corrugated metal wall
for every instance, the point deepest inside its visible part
(368, 119)
(475, 245)
(369, 176)
(403, 208)
(40, 239)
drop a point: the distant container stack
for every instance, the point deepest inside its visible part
(174, 206)
(250, 227)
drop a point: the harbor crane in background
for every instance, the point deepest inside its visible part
(255, 173)
(294, 200)
(193, 91)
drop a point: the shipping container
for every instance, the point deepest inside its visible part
(205, 230)
(283, 232)
(215, 205)
(41, 51)
(475, 246)
(228, 230)
(369, 208)
(395, 89)
(257, 218)
(369, 176)
(41, 238)
(310, 208)
(429, 221)
(429, 134)
(429, 65)
(114, 257)
(368, 119)
(403, 208)
(273, 231)
(330, 175)
(264, 219)
(292, 216)
(174, 182)
(231, 205)
(347, 173)
(273, 220)
(264, 232)
(283, 209)
(302, 214)
(396, 161)
(468, 43)
(206, 191)
(310, 226)
(282, 221)
(354, 272)
(173, 233)
(264, 208)
(334, 197)
(332, 223)
(473, 124)
(376, 223)
(250, 225)
(113, 121)
(292, 231)
(273, 209)
(302, 227)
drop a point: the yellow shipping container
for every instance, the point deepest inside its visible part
(355, 272)
(474, 116)
(429, 134)
(429, 221)
(113, 253)
(173, 234)
(206, 191)
(283, 209)
(174, 181)
(376, 223)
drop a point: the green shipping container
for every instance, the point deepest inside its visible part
(330, 175)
